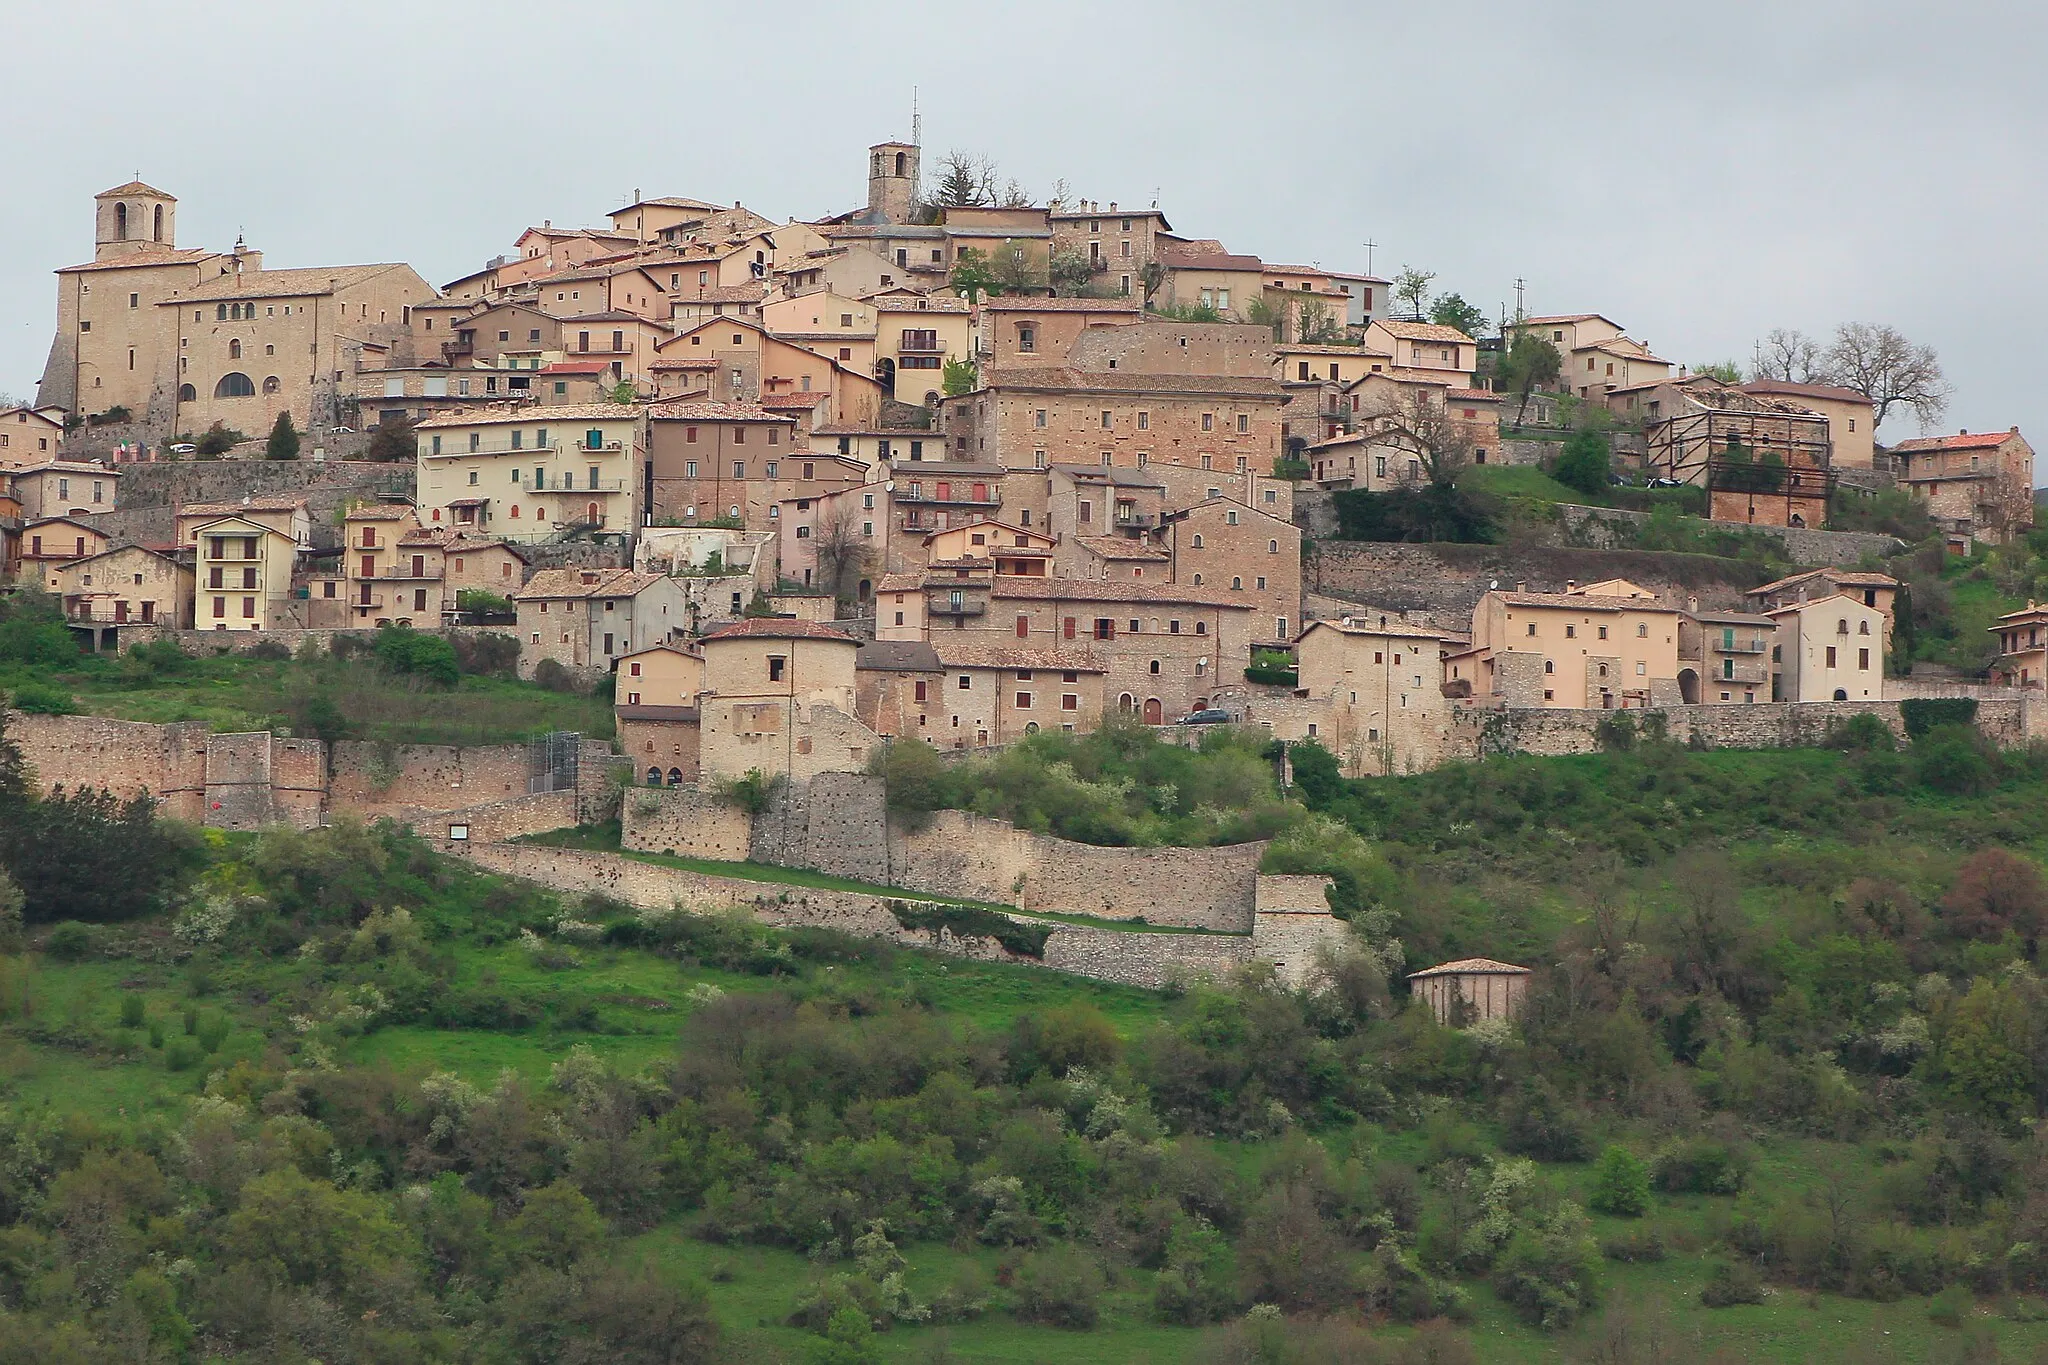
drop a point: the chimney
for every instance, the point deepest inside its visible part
(1692, 604)
(1571, 585)
(1112, 206)
(1521, 585)
(1964, 432)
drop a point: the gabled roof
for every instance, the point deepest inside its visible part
(279, 284)
(968, 654)
(1785, 389)
(1397, 630)
(558, 412)
(1471, 966)
(235, 509)
(1551, 320)
(1854, 578)
(1422, 331)
(897, 656)
(778, 628)
(710, 410)
(1078, 590)
(1966, 440)
(575, 367)
(1067, 379)
(1024, 303)
(580, 583)
(134, 187)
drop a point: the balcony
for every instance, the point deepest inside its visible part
(922, 347)
(948, 607)
(951, 497)
(452, 450)
(374, 604)
(1137, 521)
(587, 486)
(426, 575)
(1754, 645)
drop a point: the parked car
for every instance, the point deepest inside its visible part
(343, 431)
(1667, 483)
(1214, 715)
(184, 448)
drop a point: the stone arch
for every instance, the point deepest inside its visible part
(187, 394)
(234, 349)
(271, 383)
(1126, 703)
(120, 222)
(654, 776)
(1689, 687)
(156, 231)
(675, 777)
(234, 384)
(1841, 695)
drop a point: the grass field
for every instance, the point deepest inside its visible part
(235, 693)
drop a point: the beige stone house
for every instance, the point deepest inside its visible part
(49, 544)
(1723, 656)
(1827, 649)
(1851, 427)
(747, 363)
(1440, 352)
(386, 581)
(1976, 485)
(66, 488)
(1470, 990)
(243, 570)
(1203, 273)
(996, 694)
(779, 698)
(587, 619)
(709, 460)
(914, 339)
(1600, 646)
(2022, 648)
(1382, 680)
(1017, 330)
(1118, 242)
(838, 326)
(527, 473)
(29, 437)
(1244, 553)
(1872, 589)
(127, 586)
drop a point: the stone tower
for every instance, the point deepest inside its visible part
(133, 217)
(892, 182)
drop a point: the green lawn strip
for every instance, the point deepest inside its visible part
(820, 881)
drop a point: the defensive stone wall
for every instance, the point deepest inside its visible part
(1552, 731)
(494, 821)
(150, 494)
(125, 757)
(1452, 578)
(686, 822)
(1602, 527)
(1150, 960)
(203, 642)
(384, 779)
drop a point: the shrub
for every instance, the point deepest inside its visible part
(1860, 733)
(491, 655)
(1060, 1288)
(1700, 1166)
(270, 651)
(405, 650)
(1584, 463)
(1952, 759)
(1732, 1283)
(478, 602)
(218, 440)
(1925, 715)
(182, 1054)
(284, 439)
(71, 941)
(131, 1011)
(550, 674)
(1621, 1184)
(1996, 892)
(42, 700)
(1950, 1306)
(1637, 1246)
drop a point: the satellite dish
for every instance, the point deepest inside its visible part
(1493, 585)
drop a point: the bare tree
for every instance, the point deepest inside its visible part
(963, 181)
(1878, 362)
(1424, 428)
(1014, 195)
(1790, 356)
(841, 549)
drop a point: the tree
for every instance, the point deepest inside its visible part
(841, 549)
(1191, 312)
(1621, 1184)
(1015, 271)
(1071, 273)
(390, 443)
(1531, 362)
(623, 392)
(1151, 275)
(1727, 371)
(217, 441)
(1451, 310)
(1997, 891)
(1790, 356)
(1879, 363)
(1423, 427)
(960, 377)
(1412, 287)
(1314, 324)
(973, 275)
(1584, 464)
(963, 181)
(284, 439)
(1266, 311)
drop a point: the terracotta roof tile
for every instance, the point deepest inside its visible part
(1968, 440)
(710, 410)
(778, 628)
(1423, 331)
(1472, 966)
(560, 583)
(966, 654)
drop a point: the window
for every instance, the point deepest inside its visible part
(1105, 629)
(775, 666)
(920, 686)
(1208, 421)
(1038, 418)
(234, 385)
(1023, 627)
(966, 683)
(1198, 540)
(1571, 632)
(1642, 631)
(1831, 656)
(1272, 547)
(1603, 632)
(1023, 701)
(1549, 667)
(1244, 422)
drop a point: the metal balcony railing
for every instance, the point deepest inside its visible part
(946, 606)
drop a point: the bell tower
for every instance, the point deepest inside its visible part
(892, 181)
(133, 217)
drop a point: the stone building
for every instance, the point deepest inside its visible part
(244, 568)
(1118, 242)
(779, 699)
(29, 437)
(1851, 420)
(48, 544)
(529, 473)
(1383, 682)
(127, 586)
(1976, 485)
(2022, 648)
(587, 619)
(1599, 646)
(383, 581)
(733, 463)
(1827, 649)
(66, 488)
(1722, 657)
(996, 694)
(1242, 552)
(1471, 989)
(1873, 589)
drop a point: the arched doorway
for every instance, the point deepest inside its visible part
(654, 777)
(1155, 714)
(1688, 687)
(1841, 695)
(1126, 703)
(675, 777)
(885, 375)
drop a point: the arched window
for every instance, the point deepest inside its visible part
(902, 161)
(1863, 627)
(187, 394)
(234, 350)
(271, 383)
(1198, 540)
(654, 777)
(120, 222)
(157, 232)
(234, 384)
(1841, 695)
(1155, 667)
(675, 777)
(220, 312)
(1549, 667)
(1272, 547)
(1126, 702)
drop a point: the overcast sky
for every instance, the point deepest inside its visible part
(1699, 174)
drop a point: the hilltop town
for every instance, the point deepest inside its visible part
(954, 467)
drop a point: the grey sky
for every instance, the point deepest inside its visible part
(1700, 174)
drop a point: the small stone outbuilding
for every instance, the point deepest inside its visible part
(1471, 989)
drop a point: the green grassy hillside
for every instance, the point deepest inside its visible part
(330, 1096)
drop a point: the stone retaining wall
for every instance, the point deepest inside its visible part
(1602, 527)
(1767, 725)
(1452, 578)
